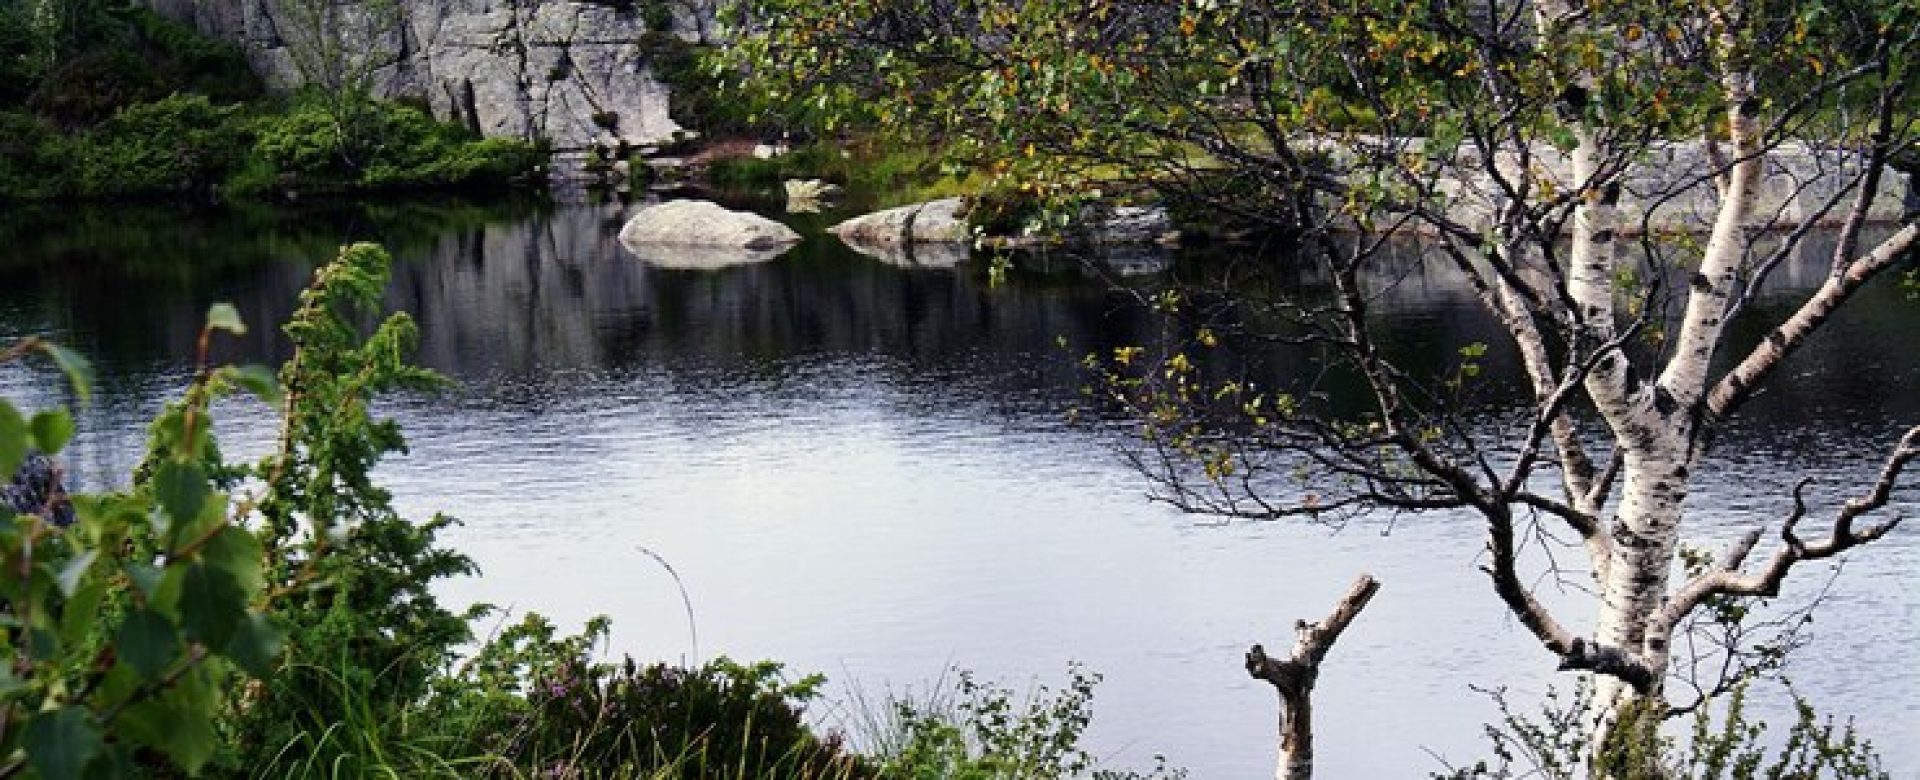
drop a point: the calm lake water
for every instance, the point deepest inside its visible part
(865, 470)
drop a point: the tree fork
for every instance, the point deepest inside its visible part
(1295, 675)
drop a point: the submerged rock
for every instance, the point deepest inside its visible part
(929, 255)
(701, 234)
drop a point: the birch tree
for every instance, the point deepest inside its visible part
(1617, 180)
(338, 49)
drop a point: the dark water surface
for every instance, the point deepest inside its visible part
(864, 470)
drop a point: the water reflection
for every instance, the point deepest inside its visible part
(860, 467)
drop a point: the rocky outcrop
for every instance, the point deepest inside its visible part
(700, 234)
(576, 73)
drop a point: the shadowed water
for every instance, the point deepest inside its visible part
(864, 469)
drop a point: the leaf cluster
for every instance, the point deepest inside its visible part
(120, 633)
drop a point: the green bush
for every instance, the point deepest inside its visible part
(364, 645)
(192, 62)
(301, 143)
(179, 144)
(326, 145)
(121, 57)
(980, 731)
(32, 159)
(86, 90)
(1725, 743)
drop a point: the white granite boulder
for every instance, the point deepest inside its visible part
(933, 222)
(702, 234)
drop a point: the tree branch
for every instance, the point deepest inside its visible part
(1739, 383)
(1295, 675)
(1726, 579)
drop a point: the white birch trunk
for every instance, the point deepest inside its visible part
(1646, 531)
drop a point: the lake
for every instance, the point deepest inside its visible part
(867, 470)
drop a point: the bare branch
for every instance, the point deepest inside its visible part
(1295, 676)
(1739, 383)
(1726, 579)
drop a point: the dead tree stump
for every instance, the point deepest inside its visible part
(1294, 676)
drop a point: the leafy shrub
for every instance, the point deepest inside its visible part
(125, 628)
(1722, 745)
(32, 156)
(182, 143)
(86, 90)
(18, 62)
(304, 141)
(367, 640)
(191, 62)
(123, 56)
(321, 145)
(986, 734)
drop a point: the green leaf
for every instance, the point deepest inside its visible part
(211, 604)
(74, 571)
(116, 762)
(10, 683)
(178, 723)
(147, 643)
(1562, 137)
(79, 372)
(145, 576)
(13, 440)
(239, 554)
(61, 743)
(256, 644)
(224, 317)
(182, 490)
(52, 429)
(82, 611)
(256, 379)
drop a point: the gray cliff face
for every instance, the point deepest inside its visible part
(573, 72)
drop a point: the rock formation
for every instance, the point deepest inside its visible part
(576, 73)
(700, 234)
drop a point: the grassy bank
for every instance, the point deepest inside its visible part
(871, 173)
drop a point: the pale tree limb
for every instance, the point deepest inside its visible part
(1294, 677)
(1704, 319)
(1739, 383)
(1727, 579)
